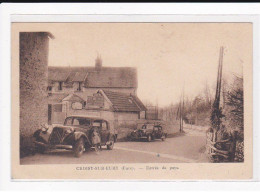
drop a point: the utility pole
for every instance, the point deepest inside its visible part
(181, 110)
(180, 115)
(216, 112)
(157, 109)
(182, 107)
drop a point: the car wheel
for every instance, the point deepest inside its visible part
(149, 138)
(111, 145)
(79, 148)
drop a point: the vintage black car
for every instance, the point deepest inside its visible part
(78, 134)
(147, 132)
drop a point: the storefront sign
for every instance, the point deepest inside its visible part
(95, 101)
(76, 106)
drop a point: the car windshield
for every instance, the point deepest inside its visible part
(77, 121)
(96, 124)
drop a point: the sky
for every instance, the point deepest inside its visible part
(168, 56)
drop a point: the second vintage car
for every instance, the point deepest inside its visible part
(78, 134)
(147, 132)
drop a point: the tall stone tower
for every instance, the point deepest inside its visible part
(34, 47)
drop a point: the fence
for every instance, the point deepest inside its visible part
(221, 150)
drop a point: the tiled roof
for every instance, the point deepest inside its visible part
(56, 98)
(123, 102)
(79, 77)
(113, 77)
(107, 77)
(58, 76)
(139, 103)
(73, 98)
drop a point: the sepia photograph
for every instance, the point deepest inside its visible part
(114, 96)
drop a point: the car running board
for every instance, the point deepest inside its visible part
(54, 146)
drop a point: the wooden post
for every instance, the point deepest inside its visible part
(233, 146)
(182, 116)
(216, 112)
(180, 113)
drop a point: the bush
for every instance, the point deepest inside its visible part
(239, 155)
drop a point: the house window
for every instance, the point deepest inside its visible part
(60, 86)
(79, 86)
(49, 88)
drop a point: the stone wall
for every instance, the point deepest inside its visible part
(33, 81)
(126, 119)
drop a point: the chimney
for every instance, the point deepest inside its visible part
(98, 64)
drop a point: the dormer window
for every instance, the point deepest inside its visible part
(79, 86)
(60, 86)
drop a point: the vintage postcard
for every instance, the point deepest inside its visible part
(132, 101)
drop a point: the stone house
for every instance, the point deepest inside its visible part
(108, 92)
